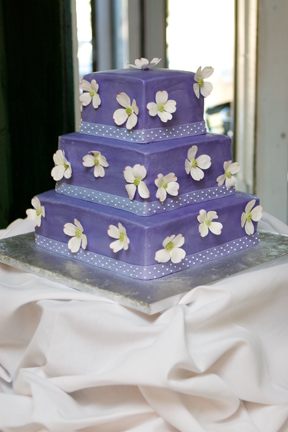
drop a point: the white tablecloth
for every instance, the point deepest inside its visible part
(218, 361)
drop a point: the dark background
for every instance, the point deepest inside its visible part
(36, 98)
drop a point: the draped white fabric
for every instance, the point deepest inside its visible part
(216, 362)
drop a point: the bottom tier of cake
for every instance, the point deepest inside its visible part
(145, 247)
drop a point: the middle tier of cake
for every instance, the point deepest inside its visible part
(147, 237)
(105, 180)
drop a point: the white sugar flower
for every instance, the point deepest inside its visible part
(90, 93)
(36, 213)
(251, 215)
(76, 232)
(167, 184)
(62, 168)
(98, 161)
(163, 107)
(172, 250)
(134, 177)
(129, 112)
(204, 87)
(120, 234)
(206, 224)
(229, 169)
(195, 166)
(144, 64)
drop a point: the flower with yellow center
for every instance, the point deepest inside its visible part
(62, 166)
(195, 166)
(78, 238)
(201, 86)
(251, 214)
(90, 93)
(97, 160)
(134, 177)
(206, 223)
(129, 112)
(163, 107)
(36, 213)
(229, 169)
(172, 250)
(166, 184)
(120, 234)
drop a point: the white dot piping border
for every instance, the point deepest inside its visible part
(143, 136)
(143, 208)
(152, 271)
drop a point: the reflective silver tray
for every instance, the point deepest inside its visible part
(146, 296)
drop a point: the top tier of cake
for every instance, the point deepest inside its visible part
(143, 86)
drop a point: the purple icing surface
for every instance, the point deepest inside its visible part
(143, 86)
(146, 234)
(162, 157)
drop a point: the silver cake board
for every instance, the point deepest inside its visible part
(149, 297)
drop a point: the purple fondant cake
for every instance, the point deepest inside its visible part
(145, 211)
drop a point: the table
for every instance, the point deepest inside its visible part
(217, 361)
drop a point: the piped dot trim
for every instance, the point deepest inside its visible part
(143, 136)
(143, 208)
(152, 271)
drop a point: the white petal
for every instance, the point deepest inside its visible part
(188, 166)
(234, 168)
(85, 85)
(96, 101)
(212, 215)
(216, 228)
(38, 221)
(85, 98)
(164, 116)
(58, 172)
(116, 245)
(74, 244)
(159, 180)
(230, 182)
(84, 241)
(132, 121)
(123, 100)
(196, 173)
(120, 116)
(135, 107)
(162, 256)
(126, 242)
(202, 216)
(43, 211)
(143, 190)
(172, 188)
(177, 255)
(250, 205)
(170, 178)
(128, 174)
(152, 108)
(89, 160)
(68, 172)
(203, 230)
(168, 240)
(161, 194)
(69, 229)
(257, 213)
(139, 171)
(192, 152)
(122, 230)
(170, 106)
(78, 225)
(99, 171)
(206, 89)
(113, 231)
(196, 90)
(220, 180)
(161, 97)
(204, 161)
(178, 241)
(36, 203)
(226, 165)
(155, 61)
(198, 74)
(131, 190)
(207, 72)
(243, 219)
(59, 157)
(133, 66)
(103, 161)
(249, 227)
(141, 62)
(31, 214)
(94, 85)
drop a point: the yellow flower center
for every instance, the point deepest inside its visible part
(164, 185)
(91, 93)
(121, 236)
(129, 111)
(66, 166)
(96, 161)
(200, 82)
(161, 108)
(136, 181)
(194, 163)
(38, 212)
(169, 246)
(207, 222)
(78, 233)
(228, 174)
(249, 217)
